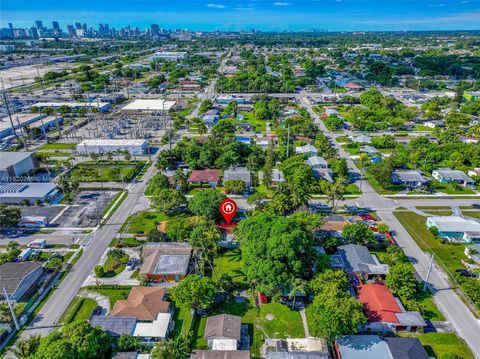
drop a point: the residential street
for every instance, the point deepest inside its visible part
(95, 244)
(449, 303)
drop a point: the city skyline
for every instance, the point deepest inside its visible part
(209, 15)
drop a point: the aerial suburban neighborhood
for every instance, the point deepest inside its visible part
(234, 194)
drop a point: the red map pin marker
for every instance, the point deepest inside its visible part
(228, 208)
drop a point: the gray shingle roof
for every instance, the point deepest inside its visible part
(358, 258)
(406, 348)
(115, 326)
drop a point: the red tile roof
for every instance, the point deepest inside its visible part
(204, 176)
(378, 302)
(351, 85)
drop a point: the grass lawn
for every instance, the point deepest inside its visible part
(229, 262)
(436, 210)
(58, 146)
(250, 118)
(475, 213)
(104, 173)
(438, 344)
(112, 292)
(354, 151)
(285, 323)
(341, 139)
(352, 189)
(55, 154)
(449, 189)
(447, 255)
(142, 221)
(183, 319)
(393, 189)
(79, 309)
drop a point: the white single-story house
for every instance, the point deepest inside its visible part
(446, 175)
(308, 149)
(455, 228)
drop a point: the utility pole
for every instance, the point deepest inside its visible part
(428, 273)
(288, 141)
(7, 106)
(14, 316)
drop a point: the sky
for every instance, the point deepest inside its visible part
(267, 15)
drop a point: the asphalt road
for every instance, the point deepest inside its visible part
(448, 302)
(46, 320)
(466, 325)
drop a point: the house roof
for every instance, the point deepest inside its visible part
(220, 354)
(454, 224)
(12, 273)
(317, 161)
(406, 348)
(158, 328)
(241, 173)
(363, 347)
(114, 325)
(204, 176)
(297, 355)
(306, 149)
(223, 326)
(301, 348)
(166, 258)
(378, 302)
(143, 303)
(409, 176)
(368, 149)
(358, 259)
(453, 175)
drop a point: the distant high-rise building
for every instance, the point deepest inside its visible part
(155, 29)
(10, 26)
(38, 24)
(78, 25)
(71, 30)
(55, 25)
(33, 32)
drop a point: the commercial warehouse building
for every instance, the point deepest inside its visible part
(169, 55)
(149, 106)
(15, 164)
(102, 106)
(32, 120)
(17, 193)
(135, 147)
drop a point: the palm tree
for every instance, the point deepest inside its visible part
(178, 348)
(27, 347)
(297, 285)
(202, 128)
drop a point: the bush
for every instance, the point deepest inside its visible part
(99, 272)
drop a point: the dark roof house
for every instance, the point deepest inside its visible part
(114, 326)
(358, 259)
(406, 348)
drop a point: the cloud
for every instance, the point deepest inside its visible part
(216, 6)
(281, 3)
(437, 5)
(464, 2)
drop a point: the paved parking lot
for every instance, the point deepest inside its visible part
(42, 211)
(85, 210)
